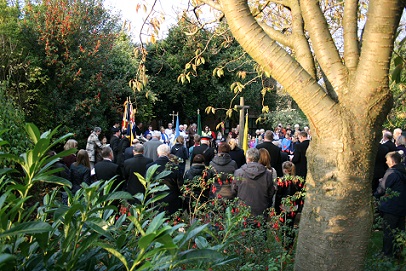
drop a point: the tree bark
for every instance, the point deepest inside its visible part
(337, 216)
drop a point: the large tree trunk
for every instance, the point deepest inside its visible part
(337, 216)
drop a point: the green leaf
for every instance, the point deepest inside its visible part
(52, 179)
(156, 223)
(114, 252)
(30, 227)
(6, 258)
(201, 242)
(119, 195)
(146, 240)
(32, 132)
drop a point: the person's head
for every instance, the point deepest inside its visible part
(82, 158)
(150, 127)
(393, 158)
(224, 148)
(297, 126)
(162, 129)
(302, 136)
(268, 135)
(139, 125)
(401, 141)
(196, 139)
(205, 140)
(198, 159)
(264, 158)
(97, 130)
(206, 128)
(233, 143)
(138, 148)
(252, 155)
(181, 127)
(387, 136)
(288, 168)
(149, 136)
(396, 133)
(163, 150)
(104, 140)
(156, 135)
(170, 125)
(116, 132)
(107, 152)
(70, 144)
(180, 140)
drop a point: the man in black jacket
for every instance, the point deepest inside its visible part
(299, 156)
(392, 190)
(274, 152)
(205, 149)
(106, 169)
(114, 142)
(136, 164)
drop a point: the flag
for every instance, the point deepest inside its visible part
(128, 119)
(177, 132)
(245, 141)
(199, 123)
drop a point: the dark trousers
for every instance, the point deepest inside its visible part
(391, 224)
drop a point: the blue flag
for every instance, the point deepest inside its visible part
(177, 132)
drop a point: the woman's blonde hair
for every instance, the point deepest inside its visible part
(70, 144)
(288, 168)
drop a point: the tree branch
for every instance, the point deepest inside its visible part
(383, 18)
(351, 45)
(276, 35)
(303, 88)
(300, 43)
(323, 44)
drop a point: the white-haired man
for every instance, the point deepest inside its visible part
(150, 147)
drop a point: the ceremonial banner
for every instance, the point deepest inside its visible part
(245, 141)
(199, 123)
(177, 132)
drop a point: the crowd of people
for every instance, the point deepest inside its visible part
(273, 167)
(228, 164)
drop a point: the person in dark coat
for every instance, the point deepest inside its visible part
(392, 204)
(253, 184)
(180, 151)
(172, 202)
(224, 168)
(137, 164)
(236, 153)
(274, 152)
(124, 144)
(198, 173)
(106, 169)
(299, 156)
(80, 171)
(205, 149)
(380, 167)
(115, 142)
